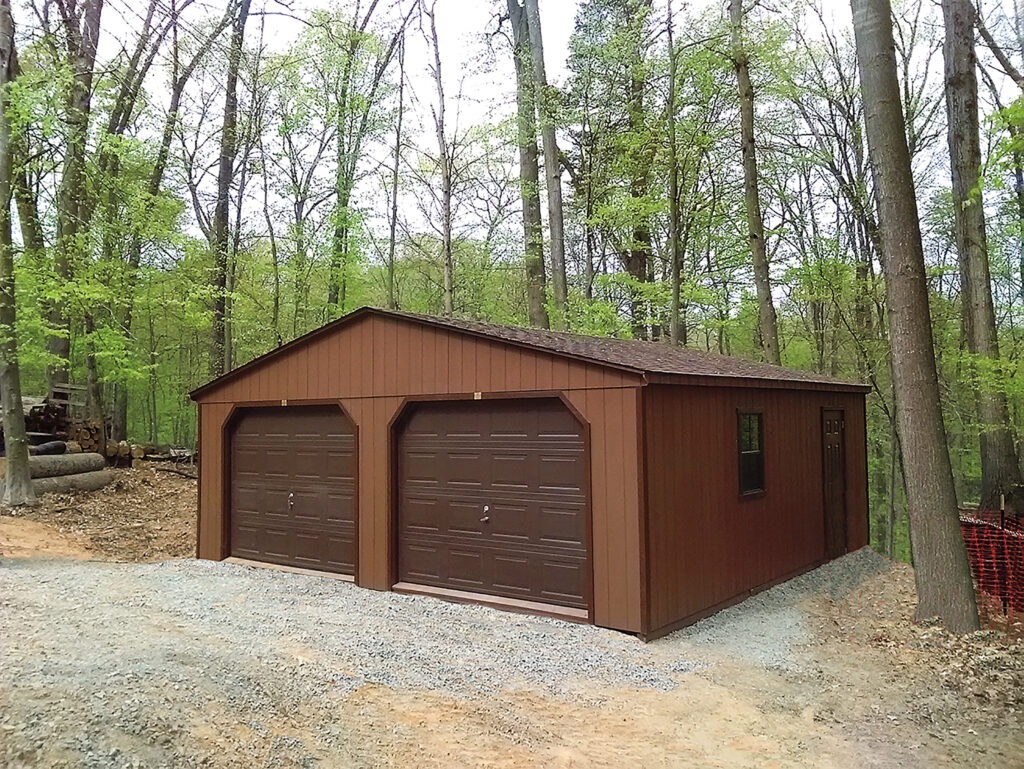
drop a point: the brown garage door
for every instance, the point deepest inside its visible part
(293, 488)
(492, 500)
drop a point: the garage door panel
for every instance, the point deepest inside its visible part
(293, 488)
(524, 462)
(465, 569)
(559, 525)
(563, 582)
(513, 573)
(422, 563)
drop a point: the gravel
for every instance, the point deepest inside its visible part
(768, 628)
(114, 665)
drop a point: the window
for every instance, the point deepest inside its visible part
(751, 443)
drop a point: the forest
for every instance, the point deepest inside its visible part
(190, 184)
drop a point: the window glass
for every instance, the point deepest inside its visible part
(751, 459)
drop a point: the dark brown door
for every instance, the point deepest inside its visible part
(834, 478)
(293, 484)
(492, 500)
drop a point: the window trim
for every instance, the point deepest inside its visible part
(753, 493)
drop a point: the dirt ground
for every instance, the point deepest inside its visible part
(146, 514)
(868, 688)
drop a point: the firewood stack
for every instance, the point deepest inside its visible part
(90, 434)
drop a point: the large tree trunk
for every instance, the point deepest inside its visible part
(674, 254)
(228, 146)
(999, 469)
(941, 569)
(81, 31)
(768, 332)
(18, 489)
(552, 165)
(529, 174)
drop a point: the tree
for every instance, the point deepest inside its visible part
(552, 163)
(529, 175)
(768, 332)
(999, 469)
(396, 169)
(17, 482)
(674, 222)
(942, 572)
(81, 29)
(220, 361)
(446, 151)
(356, 63)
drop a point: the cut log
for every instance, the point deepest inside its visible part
(138, 452)
(111, 449)
(65, 464)
(62, 484)
(122, 449)
(73, 447)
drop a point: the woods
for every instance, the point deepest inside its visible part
(188, 188)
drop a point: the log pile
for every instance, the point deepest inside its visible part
(46, 417)
(61, 473)
(90, 434)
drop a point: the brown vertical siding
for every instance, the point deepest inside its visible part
(212, 477)
(857, 534)
(615, 502)
(706, 545)
(374, 365)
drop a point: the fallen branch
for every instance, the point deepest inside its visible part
(176, 471)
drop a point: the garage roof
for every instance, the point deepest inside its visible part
(632, 355)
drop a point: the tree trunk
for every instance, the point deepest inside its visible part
(228, 146)
(768, 332)
(942, 572)
(529, 174)
(393, 215)
(445, 159)
(81, 37)
(18, 490)
(999, 469)
(673, 189)
(552, 165)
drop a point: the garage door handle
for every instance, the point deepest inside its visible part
(486, 517)
(291, 499)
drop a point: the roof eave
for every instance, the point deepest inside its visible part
(732, 380)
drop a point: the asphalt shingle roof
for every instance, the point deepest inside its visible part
(645, 357)
(630, 354)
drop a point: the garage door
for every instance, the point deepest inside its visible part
(492, 500)
(293, 486)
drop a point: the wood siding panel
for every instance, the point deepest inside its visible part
(707, 545)
(378, 356)
(212, 476)
(373, 366)
(615, 503)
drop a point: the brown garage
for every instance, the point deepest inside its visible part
(624, 483)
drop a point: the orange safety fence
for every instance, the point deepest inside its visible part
(995, 547)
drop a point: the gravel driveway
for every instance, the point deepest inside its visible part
(191, 663)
